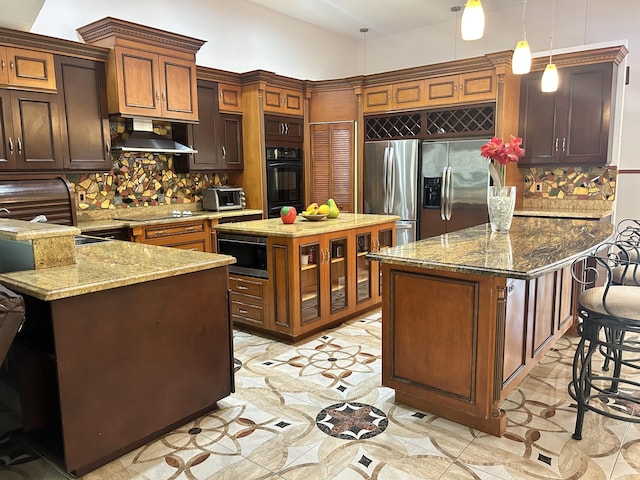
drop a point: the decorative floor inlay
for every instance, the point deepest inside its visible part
(351, 421)
(316, 410)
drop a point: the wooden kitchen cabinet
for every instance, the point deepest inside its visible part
(331, 165)
(283, 100)
(321, 280)
(229, 98)
(249, 300)
(151, 73)
(188, 235)
(30, 131)
(398, 96)
(26, 69)
(570, 126)
(217, 137)
(84, 119)
(464, 88)
(153, 85)
(367, 273)
(282, 130)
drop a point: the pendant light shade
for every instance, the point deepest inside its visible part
(472, 23)
(549, 78)
(521, 61)
(549, 82)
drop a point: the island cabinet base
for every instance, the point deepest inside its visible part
(106, 372)
(455, 344)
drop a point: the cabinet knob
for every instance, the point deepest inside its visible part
(11, 65)
(564, 143)
(164, 97)
(2, 64)
(11, 145)
(224, 152)
(556, 147)
(19, 146)
(157, 95)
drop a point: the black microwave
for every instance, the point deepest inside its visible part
(284, 153)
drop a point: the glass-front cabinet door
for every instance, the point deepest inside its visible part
(338, 277)
(363, 267)
(385, 239)
(311, 257)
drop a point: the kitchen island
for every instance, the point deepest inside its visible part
(293, 280)
(119, 347)
(468, 314)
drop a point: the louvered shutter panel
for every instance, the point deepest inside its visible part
(320, 163)
(341, 171)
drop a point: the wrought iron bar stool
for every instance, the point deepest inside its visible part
(611, 326)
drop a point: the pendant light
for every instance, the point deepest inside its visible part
(549, 81)
(521, 61)
(472, 24)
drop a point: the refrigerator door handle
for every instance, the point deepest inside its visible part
(443, 194)
(385, 184)
(391, 179)
(449, 194)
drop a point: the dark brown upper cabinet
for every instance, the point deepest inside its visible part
(217, 137)
(570, 126)
(84, 118)
(30, 129)
(283, 130)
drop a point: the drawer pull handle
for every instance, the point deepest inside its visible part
(241, 310)
(241, 287)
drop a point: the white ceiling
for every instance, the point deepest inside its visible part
(19, 15)
(379, 16)
(347, 17)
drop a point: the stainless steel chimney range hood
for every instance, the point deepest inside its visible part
(143, 139)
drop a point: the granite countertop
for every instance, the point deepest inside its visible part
(21, 230)
(533, 247)
(558, 213)
(150, 216)
(110, 264)
(274, 227)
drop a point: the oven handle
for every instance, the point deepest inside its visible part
(284, 164)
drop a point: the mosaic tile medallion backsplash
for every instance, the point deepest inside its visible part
(141, 181)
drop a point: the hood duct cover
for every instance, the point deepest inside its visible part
(143, 139)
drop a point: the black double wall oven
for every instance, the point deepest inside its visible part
(284, 179)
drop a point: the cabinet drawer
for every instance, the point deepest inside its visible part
(246, 311)
(246, 287)
(159, 231)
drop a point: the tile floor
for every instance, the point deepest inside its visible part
(316, 410)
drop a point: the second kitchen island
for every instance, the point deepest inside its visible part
(291, 281)
(466, 315)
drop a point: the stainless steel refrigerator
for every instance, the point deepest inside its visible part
(390, 176)
(454, 183)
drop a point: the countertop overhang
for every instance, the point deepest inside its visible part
(274, 227)
(144, 216)
(533, 247)
(110, 264)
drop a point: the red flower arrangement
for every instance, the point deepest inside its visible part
(501, 152)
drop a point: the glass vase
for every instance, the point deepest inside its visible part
(501, 202)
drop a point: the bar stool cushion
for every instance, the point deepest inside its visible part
(622, 301)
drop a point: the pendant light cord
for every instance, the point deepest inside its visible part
(524, 26)
(553, 22)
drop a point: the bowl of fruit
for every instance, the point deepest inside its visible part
(315, 212)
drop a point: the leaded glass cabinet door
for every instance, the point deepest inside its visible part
(311, 257)
(338, 261)
(363, 267)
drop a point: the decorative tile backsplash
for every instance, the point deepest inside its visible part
(141, 180)
(570, 183)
